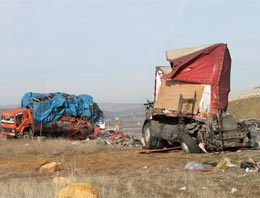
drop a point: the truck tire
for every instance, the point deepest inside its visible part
(18, 135)
(188, 144)
(150, 141)
(27, 136)
(161, 143)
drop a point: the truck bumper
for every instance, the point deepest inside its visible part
(8, 133)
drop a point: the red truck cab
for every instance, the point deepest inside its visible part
(17, 122)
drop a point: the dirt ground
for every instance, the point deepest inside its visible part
(117, 171)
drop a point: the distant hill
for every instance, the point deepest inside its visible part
(245, 108)
(250, 93)
(122, 109)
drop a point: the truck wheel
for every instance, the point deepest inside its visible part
(161, 144)
(188, 144)
(27, 136)
(150, 141)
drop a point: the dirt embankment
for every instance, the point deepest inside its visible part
(245, 108)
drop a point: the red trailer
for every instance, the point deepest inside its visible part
(190, 102)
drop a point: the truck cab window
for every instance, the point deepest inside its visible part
(19, 119)
(7, 119)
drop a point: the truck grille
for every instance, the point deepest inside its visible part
(7, 130)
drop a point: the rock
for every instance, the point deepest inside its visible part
(43, 162)
(78, 190)
(61, 180)
(49, 168)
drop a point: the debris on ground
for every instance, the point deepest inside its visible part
(78, 190)
(163, 150)
(198, 166)
(183, 188)
(223, 164)
(111, 137)
(251, 165)
(233, 190)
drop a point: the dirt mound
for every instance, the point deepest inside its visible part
(245, 108)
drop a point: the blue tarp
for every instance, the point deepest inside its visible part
(51, 106)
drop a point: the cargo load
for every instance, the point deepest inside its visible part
(52, 114)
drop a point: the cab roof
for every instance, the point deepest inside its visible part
(13, 112)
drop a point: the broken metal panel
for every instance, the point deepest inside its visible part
(204, 65)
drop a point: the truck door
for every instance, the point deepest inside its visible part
(19, 119)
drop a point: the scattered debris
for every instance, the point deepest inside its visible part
(61, 180)
(250, 166)
(111, 137)
(202, 147)
(183, 188)
(148, 151)
(78, 190)
(233, 190)
(198, 166)
(222, 165)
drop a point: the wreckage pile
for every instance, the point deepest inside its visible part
(250, 166)
(111, 137)
(52, 106)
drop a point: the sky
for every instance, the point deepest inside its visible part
(109, 48)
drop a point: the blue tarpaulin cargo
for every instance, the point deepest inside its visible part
(51, 106)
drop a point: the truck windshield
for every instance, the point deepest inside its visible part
(7, 119)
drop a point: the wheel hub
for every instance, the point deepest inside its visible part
(185, 148)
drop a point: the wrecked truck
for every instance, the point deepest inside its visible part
(52, 115)
(190, 103)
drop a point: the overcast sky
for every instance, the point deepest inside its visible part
(108, 48)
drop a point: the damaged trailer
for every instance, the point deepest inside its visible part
(52, 115)
(190, 103)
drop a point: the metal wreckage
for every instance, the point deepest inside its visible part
(53, 115)
(190, 103)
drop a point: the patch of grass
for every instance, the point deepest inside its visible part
(142, 185)
(50, 147)
(120, 172)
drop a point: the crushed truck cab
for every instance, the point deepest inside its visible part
(53, 115)
(17, 122)
(190, 102)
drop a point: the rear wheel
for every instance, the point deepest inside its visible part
(150, 140)
(27, 136)
(188, 144)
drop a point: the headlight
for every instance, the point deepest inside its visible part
(13, 130)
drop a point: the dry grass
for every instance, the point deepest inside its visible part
(120, 172)
(245, 108)
(50, 147)
(144, 185)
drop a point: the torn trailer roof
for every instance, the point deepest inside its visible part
(208, 64)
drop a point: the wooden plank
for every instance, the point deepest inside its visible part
(170, 91)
